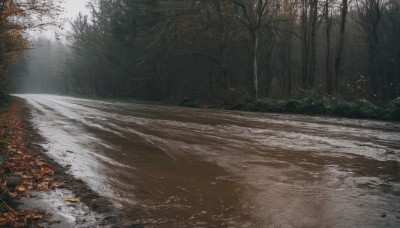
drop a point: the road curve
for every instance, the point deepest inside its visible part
(177, 167)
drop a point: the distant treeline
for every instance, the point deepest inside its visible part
(235, 51)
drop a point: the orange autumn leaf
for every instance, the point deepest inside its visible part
(3, 221)
(73, 200)
(13, 195)
(33, 216)
(46, 170)
(11, 216)
(21, 188)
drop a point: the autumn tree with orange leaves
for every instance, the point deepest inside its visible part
(16, 17)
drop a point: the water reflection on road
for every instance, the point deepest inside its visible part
(177, 167)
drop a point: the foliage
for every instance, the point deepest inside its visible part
(393, 109)
(16, 16)
(229, 51)
(326, 106)
(20, 171)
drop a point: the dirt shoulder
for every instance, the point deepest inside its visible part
(36, 190)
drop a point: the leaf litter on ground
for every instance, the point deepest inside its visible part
(20, 172)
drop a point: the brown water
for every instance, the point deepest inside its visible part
(177, 167)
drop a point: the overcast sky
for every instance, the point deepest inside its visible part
(72, 9)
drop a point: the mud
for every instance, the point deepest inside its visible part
(177, 167)
(93, 210)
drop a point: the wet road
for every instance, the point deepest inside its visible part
(176, 167)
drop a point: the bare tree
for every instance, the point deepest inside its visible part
(310, 22)
(328, 25)
(338, 58)
(254, 13)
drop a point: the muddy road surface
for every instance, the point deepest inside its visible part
(178, 167)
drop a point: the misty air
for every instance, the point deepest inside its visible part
(199, 113)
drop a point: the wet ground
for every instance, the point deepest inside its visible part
(64, 214)
(177, 167)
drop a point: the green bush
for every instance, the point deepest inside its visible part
(293, 106)
(365, 109)
(341, 108)
(393, 110)
(191, 103)
(312, 105)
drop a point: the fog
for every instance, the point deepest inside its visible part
(41, 68)
(171, 51)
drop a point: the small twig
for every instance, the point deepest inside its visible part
(6, 206)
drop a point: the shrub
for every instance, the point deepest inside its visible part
(393, 109)
(365, 109)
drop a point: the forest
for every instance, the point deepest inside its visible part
(17, 19)
(224, 52)
(199, 113)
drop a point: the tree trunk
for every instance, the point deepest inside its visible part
(313, 56)
(290, 70)
(339, 50)
(254, 90)
(223, 47)
(227, 81)
(305, 45)
(329, 79)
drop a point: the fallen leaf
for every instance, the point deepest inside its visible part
(21, 188)
(44, 186)
(10, 216)
(46, 170)
(3, 221)
(20, 224)
(73, 200)
(57, 185)
(13, 195)
(33, 216)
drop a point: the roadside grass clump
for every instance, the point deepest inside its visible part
(312, 105)
(340, 107)
(191, 103)
(331, 106)
(6, 103)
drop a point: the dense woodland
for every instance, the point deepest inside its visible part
(226, 51)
